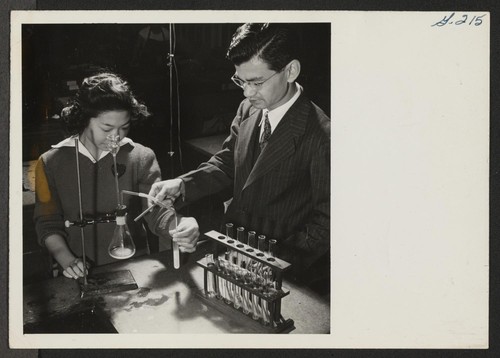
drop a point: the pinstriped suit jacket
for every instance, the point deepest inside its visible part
(285, 192)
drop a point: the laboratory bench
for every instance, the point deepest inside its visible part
(166, 300)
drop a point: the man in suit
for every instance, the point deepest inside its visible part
(276, 158)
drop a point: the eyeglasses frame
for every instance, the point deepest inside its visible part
(255, 86)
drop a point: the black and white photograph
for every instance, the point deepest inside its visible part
(248, 178)
(199, 200)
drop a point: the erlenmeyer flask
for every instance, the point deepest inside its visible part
(122, 245)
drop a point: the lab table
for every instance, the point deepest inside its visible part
(166, 301)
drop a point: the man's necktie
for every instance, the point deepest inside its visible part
(266, 133)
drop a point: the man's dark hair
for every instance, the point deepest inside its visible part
(275, 44)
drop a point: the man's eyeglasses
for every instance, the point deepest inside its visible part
(255, 85)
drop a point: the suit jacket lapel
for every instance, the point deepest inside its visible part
(244, 159)
(283, 141)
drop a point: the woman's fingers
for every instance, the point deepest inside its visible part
(75, 269)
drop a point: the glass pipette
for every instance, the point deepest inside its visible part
(169, 206)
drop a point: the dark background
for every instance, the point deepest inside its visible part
(55, 55)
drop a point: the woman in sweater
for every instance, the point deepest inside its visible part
(103, 106)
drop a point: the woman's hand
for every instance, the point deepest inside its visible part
(75, 269)
(72, 266)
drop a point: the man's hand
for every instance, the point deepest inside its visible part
(167, 188)
(186, 235)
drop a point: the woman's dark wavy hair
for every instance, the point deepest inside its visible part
(97, 94)
(275, 44)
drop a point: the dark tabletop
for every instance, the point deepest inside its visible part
(166, 300)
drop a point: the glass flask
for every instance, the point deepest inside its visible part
(122, 245)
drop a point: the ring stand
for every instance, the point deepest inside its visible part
(105, 282)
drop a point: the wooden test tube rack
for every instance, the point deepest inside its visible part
(271, 298)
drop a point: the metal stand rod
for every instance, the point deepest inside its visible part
(77, 152)
(118, 200)
(170, 68)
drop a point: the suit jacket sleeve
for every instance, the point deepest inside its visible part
(149, 172)
(217, 173)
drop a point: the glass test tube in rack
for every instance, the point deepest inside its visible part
(250, 287)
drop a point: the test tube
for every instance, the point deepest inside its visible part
(234, 268)
(229, 231)
(247, 296)
(210, 289)
(255, 270)
(227, 263)
(266, 315)
(223, 259)
(256, 312)
(229, 237)
(220, 286)
(238, 297)
(240, 236)
(231, 272)
(267, 276)
(240, 274)
(233, 258)
(259, 279)
(247, 302)
(175, 247)
(261, 244)
(225, 283)
(252, 243)
(230, 292)
(251, 239)
(272, 248)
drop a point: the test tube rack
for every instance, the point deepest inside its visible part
(241, 291)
